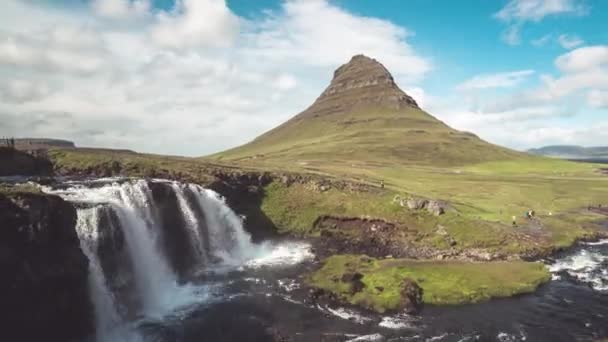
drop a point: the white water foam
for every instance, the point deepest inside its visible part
(596, 243)
(398, 322)
(365, 338)
(346, 314)
(586, 266)
(283, 254)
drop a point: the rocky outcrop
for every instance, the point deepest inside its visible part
(14, 162)
(435, 207)
(44, 292)
(362, 81)
(411, 296)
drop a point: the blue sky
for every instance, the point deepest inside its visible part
(197, 76)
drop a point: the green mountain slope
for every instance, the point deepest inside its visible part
(363, 116)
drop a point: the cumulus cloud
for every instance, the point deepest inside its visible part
(568, 41)
(333, 37)
(194, 23)
(582, 59)
(498, 80)
(517, 12)
(191, 80)
(59, 49)
(121, 9)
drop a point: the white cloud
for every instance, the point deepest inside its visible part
(498, 80)
(568, 41)
(582, 59)
(285, 82)
(516, 12)
(315, 31)
(191, 81)
(536, 10)
(195, 23)
(121, 9)
(598, 99)
(512, 35)
(21, 91)
(542, 41)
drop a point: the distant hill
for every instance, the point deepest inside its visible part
(572, 152)
(363, 116)
(42, 143)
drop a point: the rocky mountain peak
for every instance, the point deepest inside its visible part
(364, 80)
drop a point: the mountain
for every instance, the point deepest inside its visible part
(364, 116)
(572, 152)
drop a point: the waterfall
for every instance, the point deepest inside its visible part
(106, 315)
(228, 239)
(153, 275)
(150, 289)
(192, 222)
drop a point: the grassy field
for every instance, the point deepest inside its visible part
(443, 283)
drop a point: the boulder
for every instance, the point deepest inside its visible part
(436, 207)
(411, 296)
(417, 203)
(354, 279)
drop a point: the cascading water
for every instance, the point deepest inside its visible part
(228, 239)
(153, 276)
(107, 317)
(192, 222)
(128, 229)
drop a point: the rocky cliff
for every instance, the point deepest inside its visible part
(44, 292)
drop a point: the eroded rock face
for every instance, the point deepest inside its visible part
(362, 81)
(44, 289)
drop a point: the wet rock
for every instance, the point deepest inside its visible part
(411, 296)
(44, 288)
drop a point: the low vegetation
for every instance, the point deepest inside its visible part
(443, 283)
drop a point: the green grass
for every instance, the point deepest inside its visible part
(443, 283)
(378, 135)
(19, 189)
(108, 163)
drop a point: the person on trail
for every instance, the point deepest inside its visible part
(382, 183)
(514, 221)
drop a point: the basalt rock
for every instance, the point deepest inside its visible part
(44, 291)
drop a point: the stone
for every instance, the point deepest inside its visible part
(416, 204)
(411, 296)
(436, 207)
(354, 279)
